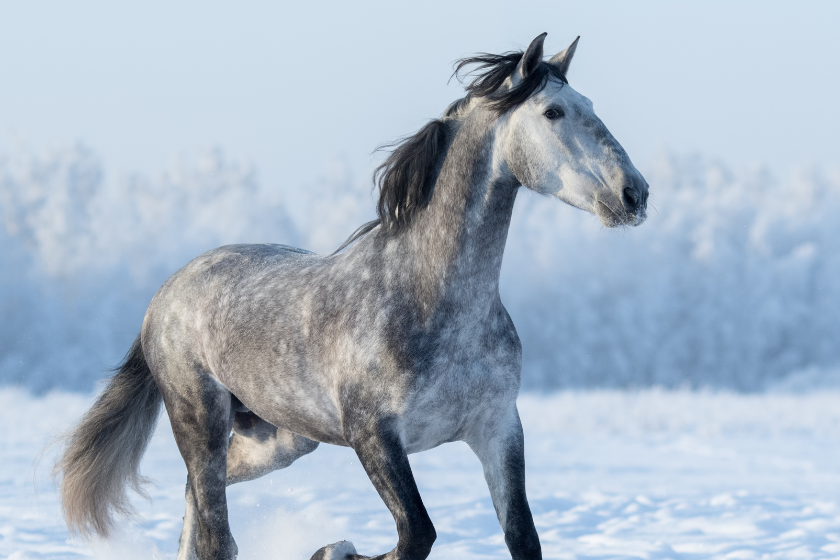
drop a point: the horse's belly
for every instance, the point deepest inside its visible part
(306, 411)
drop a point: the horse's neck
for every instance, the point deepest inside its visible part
(456, 243)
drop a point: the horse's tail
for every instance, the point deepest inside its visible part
(103, 452)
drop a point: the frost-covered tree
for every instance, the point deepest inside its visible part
(730, 283)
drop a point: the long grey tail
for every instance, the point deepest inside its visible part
(103, 452)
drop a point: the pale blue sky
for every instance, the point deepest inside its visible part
(289, 86)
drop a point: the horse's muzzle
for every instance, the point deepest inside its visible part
(627, 208)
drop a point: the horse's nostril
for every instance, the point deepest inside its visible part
(631, 198)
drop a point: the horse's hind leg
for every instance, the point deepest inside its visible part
(186, 544)
(257, 448)
(199, 410)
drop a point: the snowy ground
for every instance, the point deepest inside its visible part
(650, 474)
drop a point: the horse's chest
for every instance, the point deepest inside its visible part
(449, 403)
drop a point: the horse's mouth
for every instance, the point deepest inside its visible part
(612, 216)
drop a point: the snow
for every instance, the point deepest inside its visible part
(611, 474)
(731, 283)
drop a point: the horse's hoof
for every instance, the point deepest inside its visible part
(336, 551)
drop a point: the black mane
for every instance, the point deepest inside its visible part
(491, 71)
(406, 178)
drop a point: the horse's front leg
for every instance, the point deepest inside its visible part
(382, 455)
(499, 444)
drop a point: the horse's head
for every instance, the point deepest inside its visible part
(553, 142)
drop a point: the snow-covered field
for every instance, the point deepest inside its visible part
(647, 474)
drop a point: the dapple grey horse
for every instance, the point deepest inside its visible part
(394, 344)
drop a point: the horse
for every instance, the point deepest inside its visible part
(394, 344)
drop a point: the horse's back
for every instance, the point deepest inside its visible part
(220, 288)
(222, 270)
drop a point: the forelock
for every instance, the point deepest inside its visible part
(490, 74)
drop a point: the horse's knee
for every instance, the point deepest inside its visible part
(289, 447)
(304, 446)
(257, 448)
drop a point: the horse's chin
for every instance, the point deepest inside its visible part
(613, 218)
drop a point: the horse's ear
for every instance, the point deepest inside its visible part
(563, 59)
(530, 60)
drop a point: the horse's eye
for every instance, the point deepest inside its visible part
(553, 114)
